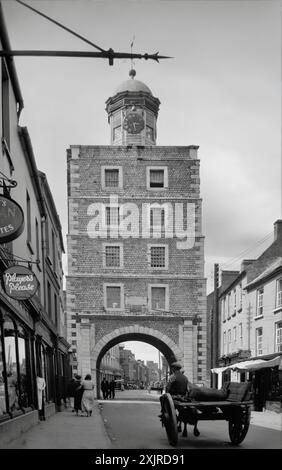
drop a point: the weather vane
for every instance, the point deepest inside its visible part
(109, 54)
(131, 46)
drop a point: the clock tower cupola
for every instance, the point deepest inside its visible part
(132, 113)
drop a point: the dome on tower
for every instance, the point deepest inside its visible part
(132, 85)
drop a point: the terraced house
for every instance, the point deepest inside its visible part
(33, 347)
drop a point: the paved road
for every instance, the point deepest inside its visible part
(134, 424)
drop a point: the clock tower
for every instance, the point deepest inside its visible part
(135, 243)
(132, 113)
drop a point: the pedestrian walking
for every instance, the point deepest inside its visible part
(78, 391)
(87, 401)
(112, 389)
(71, 388)
(104, 388)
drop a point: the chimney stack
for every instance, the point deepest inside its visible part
(278, 230)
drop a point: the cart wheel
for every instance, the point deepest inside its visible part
(169, 419)
(238, 425)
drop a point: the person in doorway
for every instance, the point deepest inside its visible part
(77, 394)
(104, 388)
(112, 389)
(87, 401)
(41, 385)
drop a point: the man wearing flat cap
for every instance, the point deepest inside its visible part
(178, 382)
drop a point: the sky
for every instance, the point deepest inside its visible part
(221, 91)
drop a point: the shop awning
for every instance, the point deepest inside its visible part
(256, 364)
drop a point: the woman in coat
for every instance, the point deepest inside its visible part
(88, 395)
(78, 391)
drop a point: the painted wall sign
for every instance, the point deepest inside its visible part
(11, 219)
(20, 283)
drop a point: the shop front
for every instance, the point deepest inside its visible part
(265, 373)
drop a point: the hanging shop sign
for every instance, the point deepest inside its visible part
(11, 219)
(20, 283)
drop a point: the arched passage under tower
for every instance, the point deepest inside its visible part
(163, 343)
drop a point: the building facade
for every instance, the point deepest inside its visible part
(110, 365)
(135, 242)
(250, 309)
(32, 343)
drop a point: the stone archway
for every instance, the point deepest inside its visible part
(132, 333)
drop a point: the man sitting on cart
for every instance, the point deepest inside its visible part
(178, 383)
(178, 386)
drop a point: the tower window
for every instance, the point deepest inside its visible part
(157, 177)
(158, 297)
(111, 177)
(157, 217)
(117, 133)
(113, 296)
(149, 133)
(158, 256)
(112, 216)
(113, 255)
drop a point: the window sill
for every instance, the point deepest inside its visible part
(113, 310)
(239, 310)
(111, 188)
(258, 317)
(112, 267)
(278, 309)
(156, 189)
(157, 269)
(49, 260)
(233, 314)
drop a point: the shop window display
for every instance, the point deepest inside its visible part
(11, 364)
(23, 365)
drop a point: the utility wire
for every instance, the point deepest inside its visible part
(61, 26)
(238, 257)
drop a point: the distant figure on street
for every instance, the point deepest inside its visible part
(87, 401)
(112, 389)
(77, 394)
(104, 388)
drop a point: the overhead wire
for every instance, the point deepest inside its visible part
(248, 250)
(61, 26)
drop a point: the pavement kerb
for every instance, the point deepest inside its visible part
(65, 430)
(267, 419)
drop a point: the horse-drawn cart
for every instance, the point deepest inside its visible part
(235, 409)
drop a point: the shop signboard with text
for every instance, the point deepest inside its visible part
(20, 282)
(11, 219)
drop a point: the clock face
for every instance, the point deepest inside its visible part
(133, 123)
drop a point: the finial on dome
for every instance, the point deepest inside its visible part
(132, 73)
